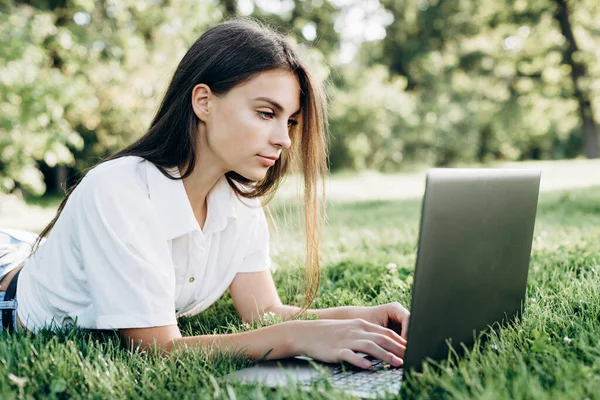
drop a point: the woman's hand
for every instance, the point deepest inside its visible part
(391, 315)
(338, 340)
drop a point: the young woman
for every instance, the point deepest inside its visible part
(164, 227)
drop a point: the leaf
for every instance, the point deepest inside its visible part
(58, 386)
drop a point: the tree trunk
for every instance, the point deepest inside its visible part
(590, 134)
(230, 7)
(61, 178)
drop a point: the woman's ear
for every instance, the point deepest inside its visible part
(201, 97)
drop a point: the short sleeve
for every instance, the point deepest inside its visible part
(257, 254)
(123, 253)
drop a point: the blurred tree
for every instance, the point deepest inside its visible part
(371, 115)
(452, 81)
(578, 75)
(311, 22)
(498, 62)
(230, 7)
(80, 79)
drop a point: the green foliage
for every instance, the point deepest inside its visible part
(80, 82)
(34, 101)
(490, 76)
(452, 81)
(293, 18)
(372, 118)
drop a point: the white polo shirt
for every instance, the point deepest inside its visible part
(128, 252)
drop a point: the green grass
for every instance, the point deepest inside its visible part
(553, 353)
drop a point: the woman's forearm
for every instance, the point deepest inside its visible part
(286, 312)
(253, 344)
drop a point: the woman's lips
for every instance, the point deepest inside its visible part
(267, 161)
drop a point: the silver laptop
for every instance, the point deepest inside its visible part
(470, 276)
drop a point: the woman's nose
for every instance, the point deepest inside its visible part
(282, 138)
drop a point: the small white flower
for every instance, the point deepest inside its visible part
(392, 267)
(568, 339)
(17, 380)
(268, 315)
(533, 300)
(494, 346)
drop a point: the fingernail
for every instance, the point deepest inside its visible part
(397, 361)
(366, 363)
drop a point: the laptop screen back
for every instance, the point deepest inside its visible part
(473, 256)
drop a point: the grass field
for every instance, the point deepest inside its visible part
(553, 353)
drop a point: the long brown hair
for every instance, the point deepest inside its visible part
(224, 56)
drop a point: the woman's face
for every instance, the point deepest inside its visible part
(250, 123)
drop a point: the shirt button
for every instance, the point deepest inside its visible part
(192, 279)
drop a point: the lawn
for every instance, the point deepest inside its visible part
(553, 353)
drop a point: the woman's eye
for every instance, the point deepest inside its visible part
(269, 115)
(266, 114)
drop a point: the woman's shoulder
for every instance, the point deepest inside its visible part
(120, 180)
(122, 167)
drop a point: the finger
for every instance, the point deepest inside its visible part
(368, 326)
(351, 357)
(402, 316)
(386, 343)
(390, 333)
(405, 323)
(372, 348)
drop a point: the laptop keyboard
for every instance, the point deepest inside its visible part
(371, 383)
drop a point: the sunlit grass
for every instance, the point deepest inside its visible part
(553, 353)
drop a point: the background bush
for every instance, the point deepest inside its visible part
(423, 81)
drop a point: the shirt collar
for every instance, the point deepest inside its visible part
(173, 205)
